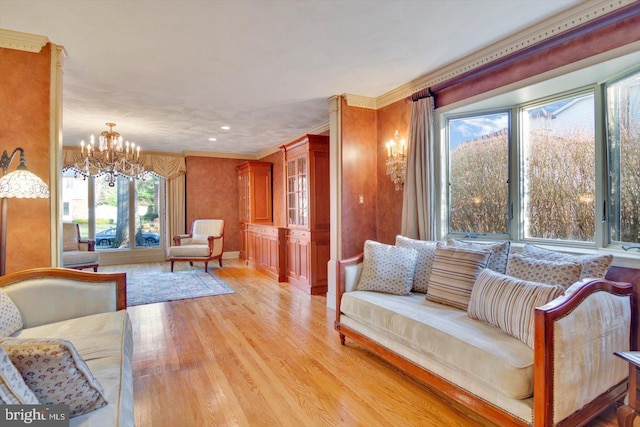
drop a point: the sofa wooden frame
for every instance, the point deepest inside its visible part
(67, 273)
(543, 357)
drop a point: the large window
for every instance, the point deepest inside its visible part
(558, 169)
(623, 135)
(479, 174)
(544, 171)
(111, 215)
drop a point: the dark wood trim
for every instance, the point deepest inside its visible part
(68, 273)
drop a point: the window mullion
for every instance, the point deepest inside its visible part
(601, 214)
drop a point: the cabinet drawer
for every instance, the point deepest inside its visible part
(299, 234)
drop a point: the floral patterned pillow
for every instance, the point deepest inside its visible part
(10, 317)
(13, 389)
(543, 271)
(387, 268)
(593, 266)
(55, 372)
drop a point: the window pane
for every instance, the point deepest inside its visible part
(478, 174)
(75, 201)
(147, 211)
(112, 213)
(558, 169)
(623, 117)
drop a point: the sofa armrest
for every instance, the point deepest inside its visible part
(47, 295)
(575, 338)
(349, 270)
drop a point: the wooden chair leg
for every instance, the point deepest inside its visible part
(220, 261)
(172, 266)
(206, 266)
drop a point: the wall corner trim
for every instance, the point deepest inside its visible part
(22, 41)
(360, 101)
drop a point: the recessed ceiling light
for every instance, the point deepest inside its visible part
(212, 139)
(225, 127)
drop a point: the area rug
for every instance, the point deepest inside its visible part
(158, 287)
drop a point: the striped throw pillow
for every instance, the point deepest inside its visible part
(499, 251)
(453, 274)
(509, 303)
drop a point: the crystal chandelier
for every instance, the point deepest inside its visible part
(110, 158)
(396, 160)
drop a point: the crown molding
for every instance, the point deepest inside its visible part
(238, 156)
(550, 27)
(17, 40)
(360, 101)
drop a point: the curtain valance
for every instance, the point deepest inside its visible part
(166, 166)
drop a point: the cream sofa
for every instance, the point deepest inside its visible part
(569, 376)
(88, 309)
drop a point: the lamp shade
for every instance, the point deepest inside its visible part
(23, 184)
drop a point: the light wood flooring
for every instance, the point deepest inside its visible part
(268, 355)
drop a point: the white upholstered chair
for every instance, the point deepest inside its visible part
(205, 243)
(78, 253)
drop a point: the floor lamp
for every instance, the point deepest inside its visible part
(18, 184)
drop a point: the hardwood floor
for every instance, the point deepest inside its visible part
(268, 355)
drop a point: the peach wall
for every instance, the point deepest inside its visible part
(389, 208)
(359, 177)
(24, 122)
(277, 181)
(212, 192)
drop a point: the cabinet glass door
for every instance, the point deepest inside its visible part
(291, 192)
(302, 192)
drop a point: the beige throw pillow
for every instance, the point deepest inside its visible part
(10, 317)
(453, 274)
(426, 253)
(387, 268)
(593, 266)
(543, 271)
(509, 303)
(55, 372)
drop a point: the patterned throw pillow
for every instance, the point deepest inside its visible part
(499, 252)
(509, 303)
(55, 372)
(426, 254)
(593, 266)
(543, 271)
(453, 274)
(387, 268)
(10, 317)
(13, 389)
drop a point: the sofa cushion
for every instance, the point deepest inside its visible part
(189, 251)
(508, 303)
(13, 389)
(543, 271)
(10, 317)
(453, 274)
(426, 253)
(473, 349)
(387, 268)
(499, 252)
(105, 342)
(199, 239)
(55, 372)
(80, 258)
(593, 266)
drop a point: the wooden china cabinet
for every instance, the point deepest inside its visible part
(254, 198)
(307, 212)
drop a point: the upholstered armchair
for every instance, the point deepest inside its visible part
(78, 253)
(205, 243)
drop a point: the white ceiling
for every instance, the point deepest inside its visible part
(171, 72)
